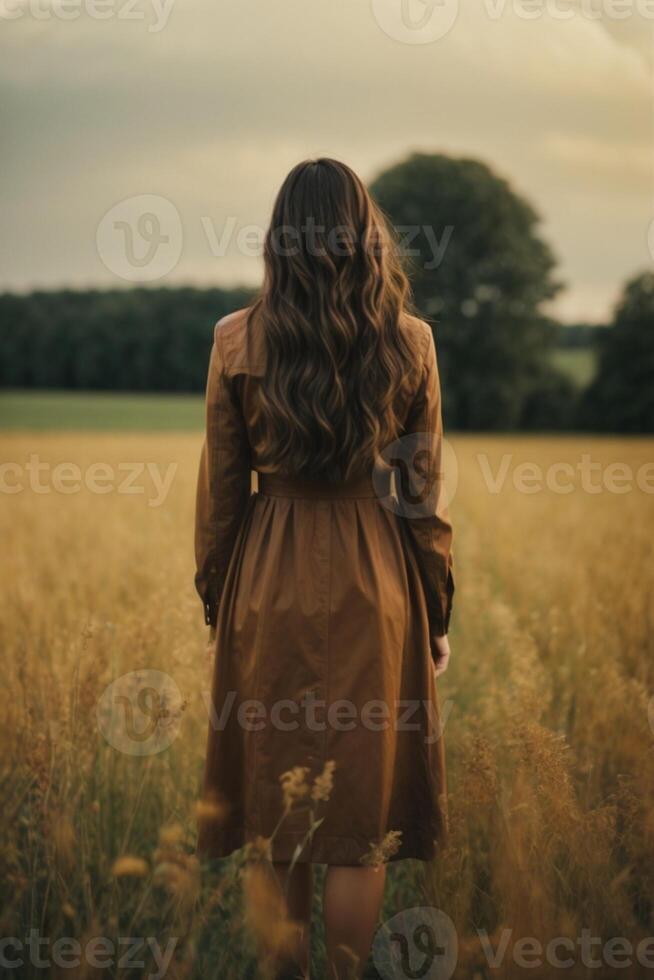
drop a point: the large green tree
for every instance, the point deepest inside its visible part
(621, 396)
(481, 273)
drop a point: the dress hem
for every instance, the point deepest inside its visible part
(342, 851)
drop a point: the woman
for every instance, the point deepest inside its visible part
(330, 588)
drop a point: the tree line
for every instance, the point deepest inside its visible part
(112, 340)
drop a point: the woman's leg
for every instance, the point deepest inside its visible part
(352, 903)
(298, 889)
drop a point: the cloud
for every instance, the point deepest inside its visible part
(633, 30)
(211, 112)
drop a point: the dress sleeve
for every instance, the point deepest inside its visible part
(423, 501)
(223, 487)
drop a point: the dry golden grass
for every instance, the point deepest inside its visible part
(549, 742)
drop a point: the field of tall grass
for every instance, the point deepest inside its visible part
(549, 866)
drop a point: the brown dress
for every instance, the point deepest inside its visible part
(325, 599)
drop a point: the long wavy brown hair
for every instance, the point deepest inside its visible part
(331, 308)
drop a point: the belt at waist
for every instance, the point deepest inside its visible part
(275, 485)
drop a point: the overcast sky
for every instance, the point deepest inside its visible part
(206, 104)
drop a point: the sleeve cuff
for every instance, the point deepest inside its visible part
(210, 614)
(440, 622)
(207, 589)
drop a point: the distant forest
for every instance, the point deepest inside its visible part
(158, 340)
(115, 340)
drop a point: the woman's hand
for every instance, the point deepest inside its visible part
(440, 651)
(211, 643)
